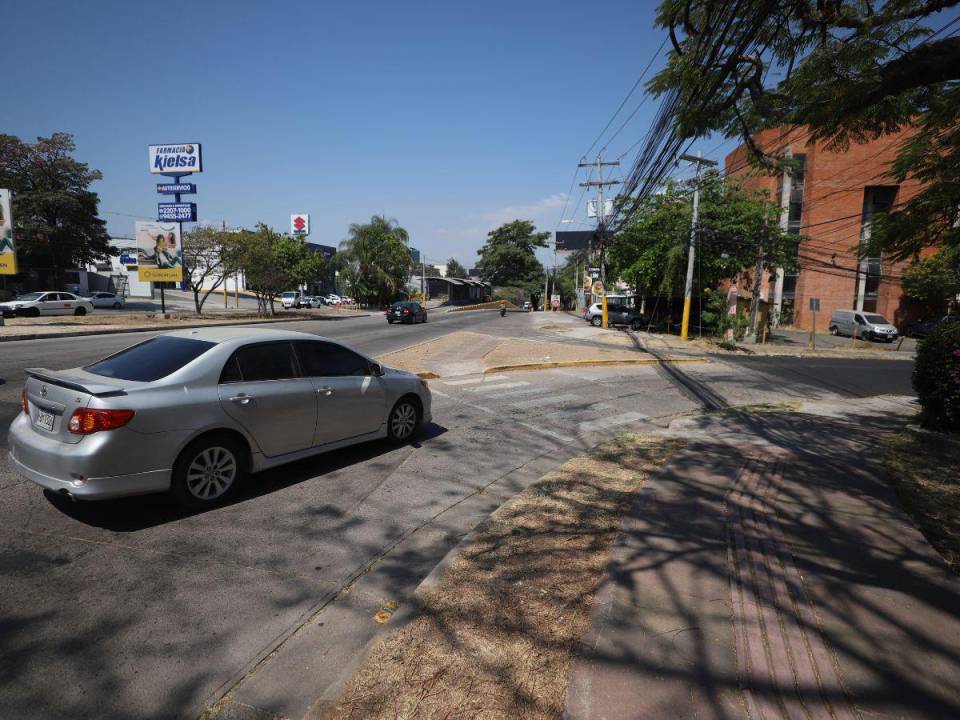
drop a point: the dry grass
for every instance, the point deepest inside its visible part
(497, 633)
(925, 470)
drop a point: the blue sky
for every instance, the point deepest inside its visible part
(451, 117)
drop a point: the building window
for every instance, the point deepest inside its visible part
(870, 268)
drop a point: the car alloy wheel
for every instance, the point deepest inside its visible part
(404, 419)
(211, 473)
(596, 321)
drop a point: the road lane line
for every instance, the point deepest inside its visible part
(544, 431)
(606, 422)
(545, 401)
(475, 381)
(496, 386)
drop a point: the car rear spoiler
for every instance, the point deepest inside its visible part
(55, 378)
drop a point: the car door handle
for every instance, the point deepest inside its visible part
(241, 399)
(325, 390)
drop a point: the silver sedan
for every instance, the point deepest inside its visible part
(192, 411)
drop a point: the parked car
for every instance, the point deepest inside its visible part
(406, 312)
(35, 304)
(922, 328)
(617, 314)
(333, 299)
(105, 300)
(866, 326)
(291, 299)
(527, 307)
(192, 411)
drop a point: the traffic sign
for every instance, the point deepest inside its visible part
(176, 212)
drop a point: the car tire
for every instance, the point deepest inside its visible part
(404, 419)
(636, 325)
(32, 312)
(79, 312)
(390, 321)
(596, 321)
(207, 472)
(834, 330)
(424, 317)
(117, 306)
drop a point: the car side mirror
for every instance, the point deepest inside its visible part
(376, 369)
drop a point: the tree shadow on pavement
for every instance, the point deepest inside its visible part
(770, 569)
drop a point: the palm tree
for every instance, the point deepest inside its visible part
(375, 259)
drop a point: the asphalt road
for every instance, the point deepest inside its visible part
(136, 609)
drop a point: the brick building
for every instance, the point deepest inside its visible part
(829, 202)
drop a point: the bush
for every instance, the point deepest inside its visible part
(936, 378)
(715, 315)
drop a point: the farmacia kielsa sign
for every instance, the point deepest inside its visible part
(175, 159)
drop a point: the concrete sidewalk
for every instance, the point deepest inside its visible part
(768, 572)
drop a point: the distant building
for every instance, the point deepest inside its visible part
(458, 291)
(441, 268)
(473, 272)
(415, 255)
(832, 199)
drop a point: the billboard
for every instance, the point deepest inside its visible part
(575, 239)
(159, 252)
(175, 159)
(8, 251)
(300, 224)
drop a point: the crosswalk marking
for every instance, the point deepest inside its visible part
(610, 421)
(475, 381)
(496, 386)
(544, 431)
(434, 391)
(545, 401)
(525, 391)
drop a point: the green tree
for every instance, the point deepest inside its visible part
(55, 211)
(271, 263)
(935, 280)
(734, 228)
(430, 271)
(374, 260)
(455, 269)
(847, 70)
(508, 258)
(204, 262)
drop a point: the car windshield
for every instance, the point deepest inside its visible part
(30, 296)
(151, 360)
(401, 305)
(876, 319)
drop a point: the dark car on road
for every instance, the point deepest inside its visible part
(406, 312)
(617, 314)
(922, 328)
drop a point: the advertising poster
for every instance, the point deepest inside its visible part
(8, 251)
(159, 252)
(175, 159)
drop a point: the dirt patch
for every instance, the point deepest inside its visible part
(497, 632)
(457, 353)
(925, 470)
(537, 351)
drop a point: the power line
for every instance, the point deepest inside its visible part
(625, 100)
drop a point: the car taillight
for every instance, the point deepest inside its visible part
(406, 312)
(24, 402)
(86, 420)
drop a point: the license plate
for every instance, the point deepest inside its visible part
(44, 420)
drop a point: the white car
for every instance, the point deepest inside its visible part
(47, 303)
(291, 299)
(105, 300)
(333, 299)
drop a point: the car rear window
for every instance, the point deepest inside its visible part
(151, 360)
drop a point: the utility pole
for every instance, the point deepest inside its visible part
(755, 300)
(599, 184)
(691, 252)
(785, 192)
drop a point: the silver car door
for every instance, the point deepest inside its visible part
(351, 400)
(262, 390)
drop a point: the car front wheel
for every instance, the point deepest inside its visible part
(206, 472)
(117, 306)
(596, 321)
(834, 330)
(404, 420)
(80, 311)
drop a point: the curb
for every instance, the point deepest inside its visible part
(589, 363)
(126, 330)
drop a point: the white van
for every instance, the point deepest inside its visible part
(291, 299)
(866, 326)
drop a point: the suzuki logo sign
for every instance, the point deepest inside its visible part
(300, 224)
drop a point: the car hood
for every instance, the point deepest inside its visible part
(886, 326)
